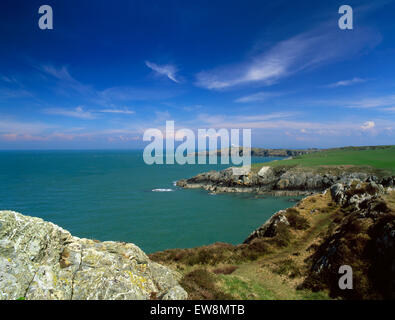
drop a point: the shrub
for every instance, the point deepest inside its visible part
(200, 284)
(225, 270)
(282, 237)
(287, 267)
(296, 221)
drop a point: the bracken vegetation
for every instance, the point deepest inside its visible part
(361, 242)
(284, 264)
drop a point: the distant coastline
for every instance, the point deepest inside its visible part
(257, 152)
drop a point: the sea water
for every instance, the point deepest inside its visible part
(114, 195)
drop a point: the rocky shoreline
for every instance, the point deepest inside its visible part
(278, 181)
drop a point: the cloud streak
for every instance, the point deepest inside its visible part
(281, 122)
(166, 70)
(13, 127)
(346, 83)
(66, 80)
(258, 97)
(66, 84)
(77, 112)
(386, 103)
(301, 52)
(118, 111)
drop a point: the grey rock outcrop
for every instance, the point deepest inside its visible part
(40, 260)
(277, 181)
(356, 192)
(362, 237)
(269, 228)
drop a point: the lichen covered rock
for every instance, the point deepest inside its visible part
(40, 260)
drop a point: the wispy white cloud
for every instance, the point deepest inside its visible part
(123, 94)
(383, 102)
(77, 112)
(61, 73)
(280, 122)
(14, 93)
(345, 83)
(117, 111)
(368, 125)
(67, 84)
(9, 79)
(258, 97)
(13, 88)
(8, 126)
(325, 128)
(161, 116)
(241, 121)
(66, 81)
(192, 107)
(166, 70)
(304, 51)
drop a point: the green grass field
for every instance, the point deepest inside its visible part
(381, 158)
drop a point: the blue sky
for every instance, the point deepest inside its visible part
(110, 70)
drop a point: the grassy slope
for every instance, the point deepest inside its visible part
(275, 274)
(278, 274)
(381, 158)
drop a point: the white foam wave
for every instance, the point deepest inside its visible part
(162, 190)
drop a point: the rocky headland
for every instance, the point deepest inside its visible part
(39, 260)
(279, 180)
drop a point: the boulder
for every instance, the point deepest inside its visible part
(355, 192)
(337, 192)
(40, 260)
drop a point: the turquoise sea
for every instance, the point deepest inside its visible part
(114, 195)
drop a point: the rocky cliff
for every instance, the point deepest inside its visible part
(40, 260)
(277, 180)
(361, 235)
